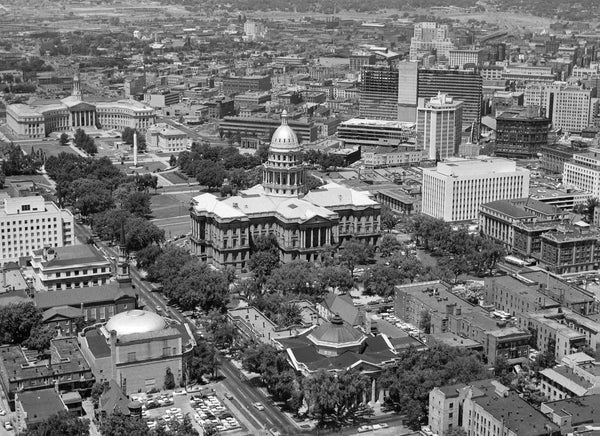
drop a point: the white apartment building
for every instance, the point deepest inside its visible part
(459, 58)
(167, 139)
(31, 223)
(456, 188)
(583, 172)
(439, 127)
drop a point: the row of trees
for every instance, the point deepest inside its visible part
(85, 142)
(106, 196)
(127, 137)
(460, 251)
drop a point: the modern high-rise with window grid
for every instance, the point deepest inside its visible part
(31, 223)
(456, 188)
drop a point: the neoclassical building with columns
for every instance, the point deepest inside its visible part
(303, 222)
(72, 113)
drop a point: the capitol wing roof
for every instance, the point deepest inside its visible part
(295, 208)
(332, 195)
(251, 204)
(211, 204)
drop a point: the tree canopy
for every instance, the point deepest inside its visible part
(60, 424)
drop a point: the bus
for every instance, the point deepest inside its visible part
(519, 262)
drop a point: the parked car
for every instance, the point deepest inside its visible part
(259, 406)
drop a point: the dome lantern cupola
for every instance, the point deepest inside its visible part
(284, 174)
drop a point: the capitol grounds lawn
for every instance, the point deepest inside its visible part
(176, 177)
(50, 148)
(170, 212)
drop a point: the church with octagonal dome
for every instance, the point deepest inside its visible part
(302, 221)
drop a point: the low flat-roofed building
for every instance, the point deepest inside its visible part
(67, 369)
(383, 157)
(563, 332)
(74, 266)
(577, 416)
(565, 199)
(449, 313)
(34, 407)
(571, 248)
(400, 200)
(372, 132)
(562, 382)
(532, 291)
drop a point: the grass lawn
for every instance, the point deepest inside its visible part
(176, 177)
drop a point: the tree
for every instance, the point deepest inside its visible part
(140, 233)
(172, 161)
(389, 245)
(169, 379)
(296, 277)
(60, 424)
(138, 203)
(381, 280)
(203, 361)
(17, 321)
(210, 174)
(354, 252)
(168, 264)
(335, 400)
(388, 218)
(147, 256)
(96, 393)
(117, 424)
(39, 338)
(425, 322)
(417, 372)
(64, 139)
(590, 207)
(198, 285)
(335, 278)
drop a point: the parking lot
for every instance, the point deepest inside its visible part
(204, 409)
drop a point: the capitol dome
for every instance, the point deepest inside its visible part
(284, 137)
(135, 321)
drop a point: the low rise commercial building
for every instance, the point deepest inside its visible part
(66, 369)
(74, 266)
(371, 132)
(486, 408)
(383, 157)
(577, 416)
(520, 134)
(571, 248)
(434, 309)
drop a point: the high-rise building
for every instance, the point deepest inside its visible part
(583, 172)
(31, 223)
(407, 91)
(430, 37)
(378, 92)
(463, 85)
(455, 189)
(461, 57)
(570, 108)
(439, 127)
(521, 134)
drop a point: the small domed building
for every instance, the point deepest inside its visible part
(302, 221)
(135, 349)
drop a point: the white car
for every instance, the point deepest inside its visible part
(259, 406)
(8, 426)
(2, 412)
(365, 428)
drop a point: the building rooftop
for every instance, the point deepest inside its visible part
(516, 414)
(71, 255)
(564, 376)
(367, 122)
(78, 296)
(581, 410)
(135, 321)
(40, 405)
(508, 208)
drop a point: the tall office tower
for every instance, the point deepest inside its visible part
(463, 85)
(439, 127)
(521, 133)
(454, 190)
(430, 37)
(378, 98)
(570, 108)
(407, 91)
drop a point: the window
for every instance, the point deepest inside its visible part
(131, 357)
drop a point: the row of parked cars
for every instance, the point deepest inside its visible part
(209, 411)
(393, 319)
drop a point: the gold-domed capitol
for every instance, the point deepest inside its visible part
(303, 222)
